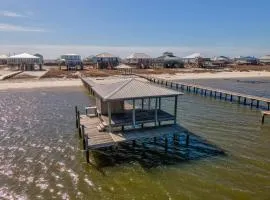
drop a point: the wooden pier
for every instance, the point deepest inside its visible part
(248, 100)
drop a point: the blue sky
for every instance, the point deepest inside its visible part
(212, 27)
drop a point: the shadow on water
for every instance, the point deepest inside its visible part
(151, 153)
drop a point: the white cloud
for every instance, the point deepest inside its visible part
(54, 51)
(12, 28)
(10, 14)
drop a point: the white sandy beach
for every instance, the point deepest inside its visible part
(217, 75)
(58, 82)
(44, 83)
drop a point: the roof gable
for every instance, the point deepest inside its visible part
(131, 89)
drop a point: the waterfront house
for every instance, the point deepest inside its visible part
(24, 61)
(220, 61)
(265, 59)
(168, 60)
(141, 60)
(246, 60)
(3, 59)
(71, 61)
(195, 60)
(106, 61)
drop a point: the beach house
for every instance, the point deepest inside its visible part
(195, 60)
(168, 60)
(106, 61)
(265, 59)
(246, 60)
(141, 60)
(3, 59)
(71, 61)
(24, 61)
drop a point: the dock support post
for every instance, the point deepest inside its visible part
(231, 97)
(263, 118)
(110, 116)
(239, 98)
(258, 102)
(226, 97)
(175, 108)
(220, 95)
(142, 103)
(205, 91)
(86, 150)
(76, 112)
(245, 101)
(171, 84)
(215, 94)
(187, 139)
(149, 103)
(166, 144)
(251, 103)
(82, 131)
(133, 114)
(156, 112)
(79, 124)
(177, 86)
(268, 105)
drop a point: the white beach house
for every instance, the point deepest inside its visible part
(265, 59)
(141, 60)
(3, 59)
(24, 61)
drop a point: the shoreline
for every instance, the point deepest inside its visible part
(63, 82)
(39, 83)
(216, 75)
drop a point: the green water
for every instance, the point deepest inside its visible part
(41, 156)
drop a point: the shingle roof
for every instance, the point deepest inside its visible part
(138, 56)
(130, 89)
(105, 55)
(23, 55)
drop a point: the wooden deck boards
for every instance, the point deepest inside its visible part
(98, 139)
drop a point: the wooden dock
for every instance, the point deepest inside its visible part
(94, 139)
(265, 113)
(249, 100)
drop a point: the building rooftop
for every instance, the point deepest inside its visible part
(23, 55)
(139, 56)
(131, 88)
(105, 55)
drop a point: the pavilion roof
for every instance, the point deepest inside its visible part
(23, 55)
(131, 88)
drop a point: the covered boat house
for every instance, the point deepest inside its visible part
(126, 110)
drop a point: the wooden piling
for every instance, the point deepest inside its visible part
(187, 139)
(76, 113)
(79, 124)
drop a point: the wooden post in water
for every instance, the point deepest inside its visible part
(166, 144)
(187, 139)
(245, 101)
(239, 98)
(79, 124)
(83, 131)
(86, 150)
(231, 97)
(76, 113)
(177, 86)
(220, 95)
(251, 103)
(258, 102)
(215, 94)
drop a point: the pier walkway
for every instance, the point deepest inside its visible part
(245, 99)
